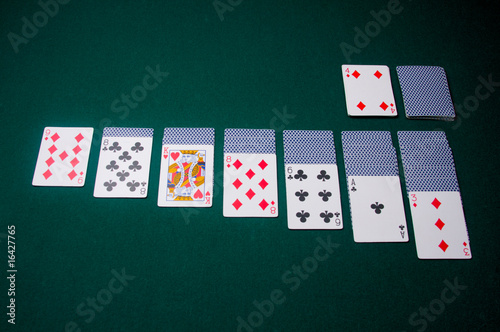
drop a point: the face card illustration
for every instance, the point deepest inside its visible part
(368, 90)
(312, 183)
(123, 168)
(250, 183)
(377, 209)
(186, 175)
(63, 157)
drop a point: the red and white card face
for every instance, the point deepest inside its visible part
(439, 225)
(368, 90)
(250, 185)
(63, 157)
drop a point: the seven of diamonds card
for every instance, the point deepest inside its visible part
(312, 183)
(435, 201)
(376, 202)
(123, 169)
(186, 174)
(63, 157)
(368, 90)
(250, 183)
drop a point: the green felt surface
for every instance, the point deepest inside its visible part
(194, 269)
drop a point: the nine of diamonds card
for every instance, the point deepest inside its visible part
(250, 183)
(63, 157)
(312, 183)
(187, 167)
(123, 169)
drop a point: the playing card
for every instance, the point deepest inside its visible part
(435, 202)
(368, 90)
(186, 174)
(377, 209)
(426, 94)
(123, 168)
(250, 183)
(63, 157)
(312, 184)
(439, 225)
(376, 203)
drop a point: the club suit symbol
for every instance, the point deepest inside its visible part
(300, 175)
(302, 216)
(325, 195)
(377, 207)
(301, 195)
(115, 147)
(323, 176)
(327, 216)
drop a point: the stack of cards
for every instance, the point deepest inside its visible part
(426, 94)
(123, 169)
(435, 202)
(368, 91)
(250, 182)
(376, 202)
(63, 157)
(312, 182)
(187, 167)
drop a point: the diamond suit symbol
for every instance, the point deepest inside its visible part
(263, 204)
(72, 174)
(436, 203)
(55, 137)
(439, 224)
(378, 74)
(49, 161)
(361, 106)
(250, 194)
(47, 174)
(237, 164)
(443, 245)
(63, 155)
(79, 137)
(52, 149)
(263, 184)
(77, 149)
(237, 204)
(384, 106)
(237, 183)
(262, 164)
(250, 174)
(356, 74)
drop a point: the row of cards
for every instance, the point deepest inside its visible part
(426, 94)
(250, 178)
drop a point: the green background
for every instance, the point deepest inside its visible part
(196, 270)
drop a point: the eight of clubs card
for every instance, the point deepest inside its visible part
(123, 169)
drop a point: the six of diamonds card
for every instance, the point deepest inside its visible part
(250, 183)
(187, 167)
(123, 169)
(312, 182)
(63, 157)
